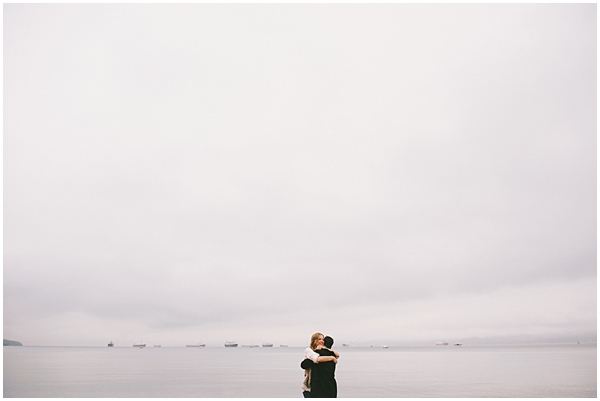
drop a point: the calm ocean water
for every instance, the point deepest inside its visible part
(414, 372)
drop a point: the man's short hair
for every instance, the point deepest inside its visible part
(328, 342)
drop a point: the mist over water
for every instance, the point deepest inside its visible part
(407, 372)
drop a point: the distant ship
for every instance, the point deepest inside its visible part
(386, 346)
(231, 344)
(157, 345)
(140, 346)
(441, 343)
(197, 345)
(345, 345)
(111, 344)
(267, 345)
(248, 346)
(283, 345)
(458, 345)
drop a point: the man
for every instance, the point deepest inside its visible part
(321, 378)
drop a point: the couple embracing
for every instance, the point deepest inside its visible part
(319, 368)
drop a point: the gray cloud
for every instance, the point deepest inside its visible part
(218, 171)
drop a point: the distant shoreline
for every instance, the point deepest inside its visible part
(378, 346)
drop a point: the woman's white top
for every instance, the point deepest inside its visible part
(310, 354)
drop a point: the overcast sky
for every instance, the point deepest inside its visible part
(258, 172)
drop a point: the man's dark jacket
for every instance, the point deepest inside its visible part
(322, 377)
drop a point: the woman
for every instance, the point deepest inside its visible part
(317, 342)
